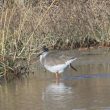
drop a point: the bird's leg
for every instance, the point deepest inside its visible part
(57, 75)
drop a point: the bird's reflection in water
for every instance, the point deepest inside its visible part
(57, 97)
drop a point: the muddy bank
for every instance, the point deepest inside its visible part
(12, 69)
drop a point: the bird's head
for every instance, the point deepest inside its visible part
(44, 49)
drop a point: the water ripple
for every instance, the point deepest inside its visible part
(88, 76)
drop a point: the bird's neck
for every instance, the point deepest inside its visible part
(43, 56)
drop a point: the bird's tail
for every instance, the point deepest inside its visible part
(70, 61)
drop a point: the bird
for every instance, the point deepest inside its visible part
(54, 62)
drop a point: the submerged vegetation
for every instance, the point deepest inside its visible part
(26, 25)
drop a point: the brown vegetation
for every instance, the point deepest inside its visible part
(26, 25)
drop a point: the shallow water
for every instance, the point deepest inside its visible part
(86, 89)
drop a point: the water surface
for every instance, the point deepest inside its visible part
(86, 89)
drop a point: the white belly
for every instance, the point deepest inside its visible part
(58, 68)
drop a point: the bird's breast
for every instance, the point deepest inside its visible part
(56, 68)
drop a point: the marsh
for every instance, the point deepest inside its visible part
(86, 89)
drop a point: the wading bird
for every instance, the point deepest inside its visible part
(55, 63)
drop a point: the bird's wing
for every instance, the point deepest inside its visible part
(54, 58)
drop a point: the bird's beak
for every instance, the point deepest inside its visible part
(40, 53)
(73, 67)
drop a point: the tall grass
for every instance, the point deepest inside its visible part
(26, 26)
(18, 40)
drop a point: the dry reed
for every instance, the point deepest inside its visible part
(25, 27)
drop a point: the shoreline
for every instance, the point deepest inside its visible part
(22, 68)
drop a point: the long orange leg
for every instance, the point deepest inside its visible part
(57, 78)
(57, 75)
